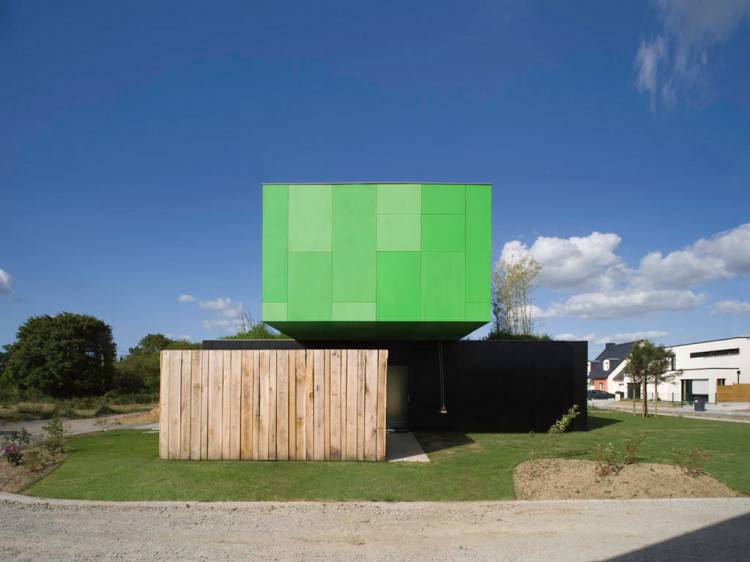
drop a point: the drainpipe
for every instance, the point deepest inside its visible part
(441, 368)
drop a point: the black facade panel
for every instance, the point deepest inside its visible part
(489, 385)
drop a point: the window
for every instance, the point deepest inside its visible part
(606, 364)
(721, 382)
(715, 353)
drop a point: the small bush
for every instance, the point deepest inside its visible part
(693, 461)
(563, 424)
(54, 440)
(104, 410)
(21, 436)
(13, 452)
(606, 460)
(630, 448)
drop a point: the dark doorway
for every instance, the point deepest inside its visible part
(397, 400)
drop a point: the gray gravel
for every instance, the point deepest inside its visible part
(709, 529)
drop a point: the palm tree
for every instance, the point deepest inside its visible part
(638, 360)
(659, 370)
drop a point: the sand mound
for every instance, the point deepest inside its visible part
(547, 479)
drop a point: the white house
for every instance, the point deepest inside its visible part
(703, 366)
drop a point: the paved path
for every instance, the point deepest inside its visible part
(715, 529)
(713, 414)
(73, 427)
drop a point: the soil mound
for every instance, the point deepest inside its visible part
(558, 479)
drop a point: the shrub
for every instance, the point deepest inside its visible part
(562, 425)
(13, 452)
(21, 436)
(606, 460)
(104, 410)
(693, 461)
(630, 448)
(54, 440)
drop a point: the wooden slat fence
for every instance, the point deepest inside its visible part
(733, 393)
(309, 404)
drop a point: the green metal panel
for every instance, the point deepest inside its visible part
(443, 233)
(354, 243)
(443, 279)
(399, 199)
(274, 311)
(310, 218)
(478, 243)
(443, 199)
(309, 286)
(364, 261)
(399, 286)
(354, 311)
(399, 233)
(275, 216)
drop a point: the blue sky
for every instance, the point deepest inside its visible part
(135, 137)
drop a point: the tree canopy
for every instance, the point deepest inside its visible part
(62, 356)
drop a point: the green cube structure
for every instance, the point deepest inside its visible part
(376, 260)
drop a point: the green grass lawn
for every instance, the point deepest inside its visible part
(124, 465)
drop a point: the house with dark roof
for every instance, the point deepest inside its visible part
(607, 365)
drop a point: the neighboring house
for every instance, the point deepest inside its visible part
(701, 366)
(607, 365)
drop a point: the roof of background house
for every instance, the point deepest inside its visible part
(615, 352)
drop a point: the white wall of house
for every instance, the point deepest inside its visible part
(705, 364)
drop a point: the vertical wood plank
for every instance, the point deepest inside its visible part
(175, 382)
(351, 404)
(185, 385)
(164, 405)
(272, 380)
(327, 404)
(335, 410)
(282, 404)
(265, 362)
(256, 404)
(246, 406)
(215, 403)
(310, 402)
(292, 410)
(235, 399)
(204, 403)
(371, 404)
(226, 407)
(361, 405)
(382, 393)
(196, 422)
(343, 404)
(319, 404)
(301, 394)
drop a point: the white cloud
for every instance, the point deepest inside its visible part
(623, 337)
(6, 282)
(607, 288)
(675, 61)
(567, 262)
(622, 303)
(567, 336)
(229, 314)
(732, 307)
(724, 255)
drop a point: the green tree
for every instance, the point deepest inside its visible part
(659, 370)
(648, 363)
(512, 288)
(140, 368)
(63, 356)
(248, 329)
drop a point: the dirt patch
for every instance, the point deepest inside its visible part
(16, 478)
(547, 479)
(152, 416)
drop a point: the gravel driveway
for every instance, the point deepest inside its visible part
(560, 530)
